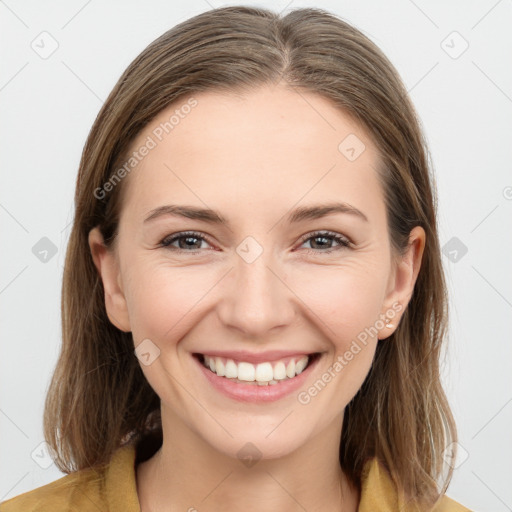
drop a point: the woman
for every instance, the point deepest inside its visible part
(253, 299)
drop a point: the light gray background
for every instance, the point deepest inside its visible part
(465, 102)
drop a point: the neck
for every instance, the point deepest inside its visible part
(187, 473)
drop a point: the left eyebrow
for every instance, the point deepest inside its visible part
(322, 210)
(189, 212)
(298, 215)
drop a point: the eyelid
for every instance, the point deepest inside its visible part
(183, 234)
(344, 241)
(327, 233)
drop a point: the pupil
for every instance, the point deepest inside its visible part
(319, 238)
(188, 239)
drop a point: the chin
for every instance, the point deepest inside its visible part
(251, 446)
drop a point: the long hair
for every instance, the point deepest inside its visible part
(99, 399)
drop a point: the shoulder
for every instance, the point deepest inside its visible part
(449, 505)
(77, 491)
(112, 487)
(378, 493)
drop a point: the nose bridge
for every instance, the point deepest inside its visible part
(257, 299)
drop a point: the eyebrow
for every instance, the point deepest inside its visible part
(211, 216)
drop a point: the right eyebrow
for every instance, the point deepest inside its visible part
(298, 215)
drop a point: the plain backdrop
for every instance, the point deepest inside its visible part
(60, 60)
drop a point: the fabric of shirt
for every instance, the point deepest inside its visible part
(114, 489)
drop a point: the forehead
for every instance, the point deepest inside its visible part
(266, 149)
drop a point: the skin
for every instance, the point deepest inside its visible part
(253, 158)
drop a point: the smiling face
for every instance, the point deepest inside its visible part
(267, 278)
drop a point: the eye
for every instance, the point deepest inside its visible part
(321, 240)
(186, 240)
(190, 241)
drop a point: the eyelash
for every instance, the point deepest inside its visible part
(344, 242)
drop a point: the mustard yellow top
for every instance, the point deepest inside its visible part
(114, 490)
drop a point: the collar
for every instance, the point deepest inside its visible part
(378, 492)
(120, 481)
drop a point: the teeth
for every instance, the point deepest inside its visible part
(262, 374)
(246, 371)
(279, 371)
(220, 369)
(300, 365)
(290, 369)
(231, 369)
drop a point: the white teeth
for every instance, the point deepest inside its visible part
(262, 374)
(220, 367)
(231, 369)
(300, 365)
(290, 369)
(279, 371)
(246, 371)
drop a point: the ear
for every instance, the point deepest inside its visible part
(107, 265)
(402, 281)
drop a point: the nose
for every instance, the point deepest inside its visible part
(256, 297)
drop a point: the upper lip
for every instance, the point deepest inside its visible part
(256, 357)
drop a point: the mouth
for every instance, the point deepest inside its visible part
(264, 381)
(261, 374)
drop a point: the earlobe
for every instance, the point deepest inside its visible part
(402, 283)
(107, 265)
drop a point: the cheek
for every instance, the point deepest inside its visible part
(162, 300)
(343, 300)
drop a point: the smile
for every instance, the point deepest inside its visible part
(255, 382)
(261, 374)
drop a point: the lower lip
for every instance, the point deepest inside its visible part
(254, 392)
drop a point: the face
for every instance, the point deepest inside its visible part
(268, 285)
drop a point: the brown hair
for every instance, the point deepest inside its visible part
(99, 399)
